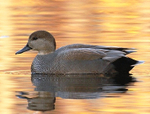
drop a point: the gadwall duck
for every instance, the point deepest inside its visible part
(76, 58)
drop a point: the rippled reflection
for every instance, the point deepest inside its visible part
(49, 87)
(39, 101)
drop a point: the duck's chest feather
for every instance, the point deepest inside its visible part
(42, 64)
(54, 63)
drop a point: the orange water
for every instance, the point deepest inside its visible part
(124, 23)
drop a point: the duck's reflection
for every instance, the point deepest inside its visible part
(39, 101)
(48, 87)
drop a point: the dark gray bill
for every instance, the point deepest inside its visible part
(26, 48)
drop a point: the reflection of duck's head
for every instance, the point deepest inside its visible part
(38, 101)
(41, 41)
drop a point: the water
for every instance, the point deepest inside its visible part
(112, 23)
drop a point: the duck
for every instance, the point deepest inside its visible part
(76, 58)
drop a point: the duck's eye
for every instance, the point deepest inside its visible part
(34, 38)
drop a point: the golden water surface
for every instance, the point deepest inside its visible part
(124, 23)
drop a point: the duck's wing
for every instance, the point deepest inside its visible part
(81, 54)
(90, 54)
(125, 50)
(113, 55)
(77, 46)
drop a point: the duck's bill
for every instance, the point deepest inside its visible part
(26, 48)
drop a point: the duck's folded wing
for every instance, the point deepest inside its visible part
(91, 54)
(82, 54)
(126, 50)
(113, 55)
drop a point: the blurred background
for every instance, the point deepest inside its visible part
(124, 23)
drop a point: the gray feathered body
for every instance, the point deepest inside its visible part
(79, 58)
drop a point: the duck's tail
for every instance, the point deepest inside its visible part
(125, 64)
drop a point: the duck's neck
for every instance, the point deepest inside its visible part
(48, 49)
(44, 53)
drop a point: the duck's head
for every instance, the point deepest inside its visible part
(41, 41)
